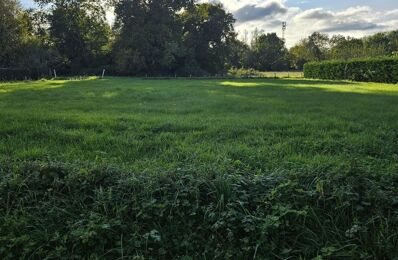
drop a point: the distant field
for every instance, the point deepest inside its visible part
(255, 169)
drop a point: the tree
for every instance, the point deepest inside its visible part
(314, 48)
(300, 54)
(79, 31)
(148, 36)
(239, 53)
(11, 32)
(393, 42)
(168, 36)
(343, 48)
(270, 53)
(207, 35)
(318, 44)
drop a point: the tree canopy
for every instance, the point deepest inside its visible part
(158, 37)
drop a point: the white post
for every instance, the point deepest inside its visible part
(103, 73)
(55, 74)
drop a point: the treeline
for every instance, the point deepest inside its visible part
(155, 38)
(320, 47)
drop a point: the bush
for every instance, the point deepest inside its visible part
(368, 70)
(52, 210)
(244, 73)
(13, 74)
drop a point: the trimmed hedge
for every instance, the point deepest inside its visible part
(53, 210)
(368, 70)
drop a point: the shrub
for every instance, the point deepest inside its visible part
(52, 210)
(368, 70)
(243, 73)
(13, 74)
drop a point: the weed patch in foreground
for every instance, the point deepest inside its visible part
(54, 210)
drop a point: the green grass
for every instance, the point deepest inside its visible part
(150, 125)
(123, 168)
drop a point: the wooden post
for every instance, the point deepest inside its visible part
(103, 73)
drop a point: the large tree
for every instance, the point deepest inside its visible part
(269, 53)
(313, 48)
(344, 48)
(11, 32)
(148, 35)
(208, 35)
(79, 31)
(164, 37)
(239, 53)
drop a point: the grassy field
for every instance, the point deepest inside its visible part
(301, 130)
(152, 125)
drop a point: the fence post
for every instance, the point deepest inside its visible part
(55, 74)
(103, 73)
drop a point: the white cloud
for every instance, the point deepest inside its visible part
(267, 15)
(253, 12)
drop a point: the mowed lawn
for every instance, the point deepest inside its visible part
(161, 125)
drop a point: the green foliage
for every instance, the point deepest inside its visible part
(251, 73)
(171, 37)
(319, 47)
(269, 53)
(11, 32)
(368, 70)
(20, 74)
(54, 210)
(238, 54)
(314, 48)
(148, 36)
(80, 33)
(208, 35)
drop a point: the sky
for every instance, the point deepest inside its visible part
(355, 18)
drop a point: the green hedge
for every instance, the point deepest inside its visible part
(51, 210)
(368, 70)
